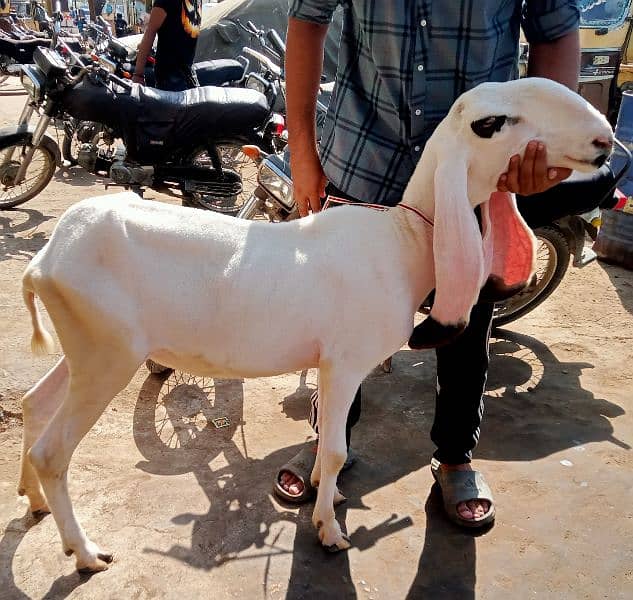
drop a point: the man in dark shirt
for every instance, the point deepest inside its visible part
(177, 24)
(120, 25)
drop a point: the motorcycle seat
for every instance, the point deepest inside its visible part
(219, 72)
(20, 50)
(218, 111)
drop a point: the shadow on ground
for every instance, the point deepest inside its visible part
(531, 413)
(620, 279)
(78, 176)
(535, 406)
(20, 221)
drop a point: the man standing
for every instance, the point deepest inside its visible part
(177, 24)
(120, 25)
(401, 66)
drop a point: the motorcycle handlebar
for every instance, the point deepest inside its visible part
(276, 42)
(75, 57)
(269, 64)
(253, 27)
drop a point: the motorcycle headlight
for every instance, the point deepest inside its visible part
(33, 81)
(276, 183)
(258, 83)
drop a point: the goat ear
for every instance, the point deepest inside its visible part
(457, 257)
(509, 248)
(486, 128)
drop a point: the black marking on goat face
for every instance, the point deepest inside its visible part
(487, 127)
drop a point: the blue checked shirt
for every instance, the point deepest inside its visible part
(402, 64)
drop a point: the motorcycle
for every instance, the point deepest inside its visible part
(171, 139)
(120, 60)
(558, 238)
(17, 45)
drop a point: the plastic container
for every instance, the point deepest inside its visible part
(615, 240)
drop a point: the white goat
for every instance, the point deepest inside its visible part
(125, 279)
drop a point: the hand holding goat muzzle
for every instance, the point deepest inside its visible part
(471, 148)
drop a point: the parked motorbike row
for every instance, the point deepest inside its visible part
(194, 143)
(169, 141)
(17, 44)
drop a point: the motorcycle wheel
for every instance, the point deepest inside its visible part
(38, 174)
(552, 261)
(234, 159)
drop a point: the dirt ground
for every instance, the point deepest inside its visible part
(187, 508)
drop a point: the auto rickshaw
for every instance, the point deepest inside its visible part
(606, 65)
(606, 62)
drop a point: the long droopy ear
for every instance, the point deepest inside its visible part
(457, 256)
(509, 248)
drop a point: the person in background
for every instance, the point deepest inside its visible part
(120, 25)
(176, 23)
(401, 66)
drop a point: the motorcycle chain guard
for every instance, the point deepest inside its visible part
(200, 180)
(217, 189)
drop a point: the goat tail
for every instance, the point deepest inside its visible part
(41, 340)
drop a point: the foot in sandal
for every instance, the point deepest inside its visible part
(292, 482)
(467, 498)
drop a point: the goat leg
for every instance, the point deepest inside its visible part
(38, 407)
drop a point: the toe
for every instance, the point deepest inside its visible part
(285, 478)
(291, 483)
(295, 488)
(478, 507)
(465, 512)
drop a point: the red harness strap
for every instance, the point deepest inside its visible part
(337, 200)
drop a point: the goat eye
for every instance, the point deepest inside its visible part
(487, 127)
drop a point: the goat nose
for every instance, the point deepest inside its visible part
(603, 143)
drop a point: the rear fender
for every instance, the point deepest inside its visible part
(22, 134)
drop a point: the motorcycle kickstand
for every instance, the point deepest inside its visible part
(137, 189)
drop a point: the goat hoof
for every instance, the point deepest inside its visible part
(37, 503)
(100, 563)
(39, 509)
(38, 515)
(432, 334)
(344, 544)
(106, 557)
(332, 539)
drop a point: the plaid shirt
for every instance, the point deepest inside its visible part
(402, 64)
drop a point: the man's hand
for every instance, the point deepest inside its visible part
(308, 182)
(138, 78)
(532, 175)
